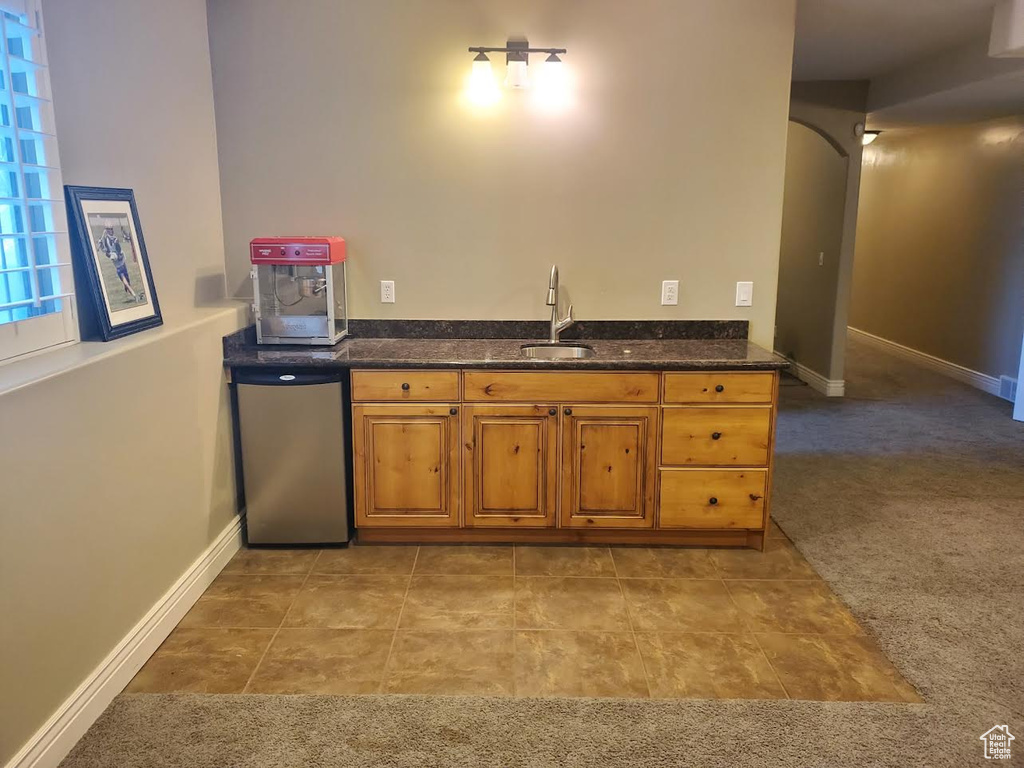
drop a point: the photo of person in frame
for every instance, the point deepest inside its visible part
(117, 261)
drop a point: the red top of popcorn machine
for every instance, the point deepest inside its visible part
(300, 251)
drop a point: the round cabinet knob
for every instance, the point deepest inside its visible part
(713, 501)
(568, 411)
(454, 411)
(553, 412)
(720, 388)
(405, 386)
(716, 435)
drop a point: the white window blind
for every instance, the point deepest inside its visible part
(36, 281)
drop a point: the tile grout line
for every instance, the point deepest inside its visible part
(814, 579)
(205, 627)
(629, 619)
(772, 666)
(398, 622)
(515, 576)
(750, 631)
(515, 644)
(284, 618)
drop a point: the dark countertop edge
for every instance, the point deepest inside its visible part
(522, 365)
(241, 352)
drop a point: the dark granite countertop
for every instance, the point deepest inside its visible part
(678, 354)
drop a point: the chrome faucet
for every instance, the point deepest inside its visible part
(557, 326)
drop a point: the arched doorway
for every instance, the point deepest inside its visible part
(813, 214)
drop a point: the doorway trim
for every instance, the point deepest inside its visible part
(821, 132)
(1018, 406)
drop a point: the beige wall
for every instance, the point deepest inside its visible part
(812, 224)
(670, 166)
(120, 473)
(148, 125)
(833, 108)
(940, 243)
(122, 477)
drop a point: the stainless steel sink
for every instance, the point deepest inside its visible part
(559, 351)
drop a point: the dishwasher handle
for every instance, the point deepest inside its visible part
(285, 377)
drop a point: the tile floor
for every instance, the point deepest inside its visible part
(524, 621)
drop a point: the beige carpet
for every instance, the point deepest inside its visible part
(907, 496)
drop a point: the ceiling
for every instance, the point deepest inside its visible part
(985, 100)
(862, 39)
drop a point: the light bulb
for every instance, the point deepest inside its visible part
(483, 90)
(552, 87)
(554, 71)
(516, 75)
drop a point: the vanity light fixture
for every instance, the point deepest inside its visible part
(482, 65)
(483, 91)
(554, 70)
(866, 137)
(517, 61)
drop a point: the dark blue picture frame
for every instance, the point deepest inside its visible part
(93, 316)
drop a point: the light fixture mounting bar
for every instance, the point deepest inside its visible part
(507, 49)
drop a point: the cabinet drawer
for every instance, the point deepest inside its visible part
(436, 386)
(716, 437)
(719, 387)
(560, 387)
(712, 498)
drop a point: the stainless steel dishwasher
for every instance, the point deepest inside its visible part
(292, 435)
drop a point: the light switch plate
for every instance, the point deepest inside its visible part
(669, 292)
(744, 294)
(387, 291)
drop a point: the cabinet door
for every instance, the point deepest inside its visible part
(510, 465)
(713, 436)
(406, 465)
(608, 466)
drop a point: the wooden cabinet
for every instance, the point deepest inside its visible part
(716, 436)
(510, 465)
(712, 498)
(609, 466)
(560, 387)
(563, 456)
(405, 386)
(717, 387)
(406, 465)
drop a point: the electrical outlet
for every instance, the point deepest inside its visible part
(387, 291)
(744, 294)
(669, 292)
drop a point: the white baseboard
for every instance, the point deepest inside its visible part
(827, 387)
(973, 378)
(54, 740)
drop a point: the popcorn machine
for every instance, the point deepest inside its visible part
(298, 288)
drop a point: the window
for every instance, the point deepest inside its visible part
(36, 281)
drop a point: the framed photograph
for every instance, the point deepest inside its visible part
(116, 295)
